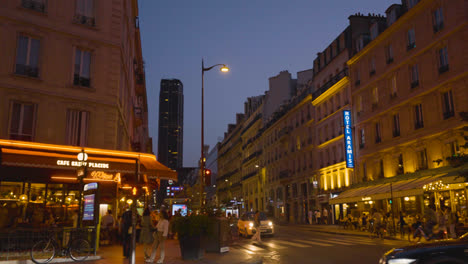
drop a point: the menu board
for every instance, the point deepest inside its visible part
(88, 211)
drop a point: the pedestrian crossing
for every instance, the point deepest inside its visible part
(309, 242)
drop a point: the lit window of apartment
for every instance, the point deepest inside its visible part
(82, 73)
(374, 31)
(411, 39)
(359, 104)
(414, 76)
(438, 20)
(393, 87)
(396, 125)
(418, 117)
(77, 127)
(422, 159)
(375, 95)
(372, 66)
(443, 60)
(362, 138)
(84, 12)
(27, 56)
(447, 104)
(22, 121)
(36, 5)
(389, 54)
(412, 3)
(378, 133)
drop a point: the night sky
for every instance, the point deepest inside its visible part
(256, 39)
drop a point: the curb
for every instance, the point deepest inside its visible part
(349, 234)
(55, 260)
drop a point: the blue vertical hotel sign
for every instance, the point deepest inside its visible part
(348, 139)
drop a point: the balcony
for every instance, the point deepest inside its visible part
(443, 68)
(396, 133)
(330, 83)
(389, 60)
(33, 5)
(414, 84)
(84, 20)
(438, 27)
(378, 139)
(27, 70)
(418, 125)
(411, 46)
(448, 114)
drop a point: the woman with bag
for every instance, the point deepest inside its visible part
(147, 229)
(160, 237)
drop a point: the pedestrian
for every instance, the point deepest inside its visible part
(317, 217)
(325, 216)
(451, 221)
(402, 224)
(146, 235)
(310, 217)
(442, 221)
(126, 231)
(257, 236)
(107, 225)
(160, 237)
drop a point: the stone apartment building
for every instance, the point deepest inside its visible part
(73, 74)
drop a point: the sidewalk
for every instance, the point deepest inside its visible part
(336, 229)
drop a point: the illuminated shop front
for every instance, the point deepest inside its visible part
(38, 180)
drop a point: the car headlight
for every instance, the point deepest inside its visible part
(401, 261)
(251, 224)
(270, 223)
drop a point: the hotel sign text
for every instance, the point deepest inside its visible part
(348, 139)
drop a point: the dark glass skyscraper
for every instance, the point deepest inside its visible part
(171, 123)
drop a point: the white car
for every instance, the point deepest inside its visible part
(246, 225)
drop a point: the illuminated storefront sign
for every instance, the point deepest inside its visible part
(348, 139)
(74, 163)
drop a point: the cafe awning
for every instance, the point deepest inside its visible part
(40, 155)
(401, 186)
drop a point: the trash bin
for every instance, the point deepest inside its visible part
(219, 242)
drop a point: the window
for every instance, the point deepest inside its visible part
(381, 171)
(374, 30)
(85, 12)
(77, 127)
(422, 159)
(411, 39)
(412, 3)
(357, 77)
(419, 122)
(378, 133)
(81, 75)
(338, 101)
(362, 139)
(438, 20)
(359, 104)
(37, 5)
(443, 60)
(453, 148)
(22, 121)
(396, 125)
(401, 168)
(375, 95)
(27, 56)
(393, 87)
(447, 104)
(364, 172)
(389, 54)
(372, 66)
(414, 76)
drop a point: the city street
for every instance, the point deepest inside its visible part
(291, 244)
(300, 244)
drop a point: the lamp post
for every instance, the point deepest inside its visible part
(82, 171)
(224, 68)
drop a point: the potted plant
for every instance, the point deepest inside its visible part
(190, 231)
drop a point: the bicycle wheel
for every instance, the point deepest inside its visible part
(43, 252)
(79, 249)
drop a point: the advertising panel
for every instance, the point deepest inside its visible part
(182, 207)
(348, 137)
(88, 210)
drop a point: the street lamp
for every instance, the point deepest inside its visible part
(224, 68)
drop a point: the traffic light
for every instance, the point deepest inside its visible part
(390, 201)
(207, 177)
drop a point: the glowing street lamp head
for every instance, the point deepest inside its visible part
(224, 68)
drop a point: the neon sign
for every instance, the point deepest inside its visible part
(74, 163)
(348, 139)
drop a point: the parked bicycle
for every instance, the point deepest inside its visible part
(376, 230)
(45, 250)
